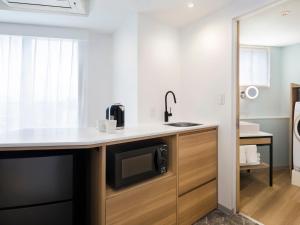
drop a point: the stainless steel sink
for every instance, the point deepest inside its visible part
(183, 124)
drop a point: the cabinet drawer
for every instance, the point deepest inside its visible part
(197, 203)
(197, 159)
(154, 203)
(52, 214)
(30, 180)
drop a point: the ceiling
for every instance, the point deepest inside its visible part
(107, 15)
(270, 28)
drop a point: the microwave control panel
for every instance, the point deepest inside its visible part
(163, 161)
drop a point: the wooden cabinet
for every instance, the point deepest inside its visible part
(197, 203)
(187, 192)
(154, 203)
(197, 159)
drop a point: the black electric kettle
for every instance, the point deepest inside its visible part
(116, 112)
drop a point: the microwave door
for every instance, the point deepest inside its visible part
(135, 165)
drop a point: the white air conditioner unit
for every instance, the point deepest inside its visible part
(67, 6)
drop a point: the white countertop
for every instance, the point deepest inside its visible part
(86, 136)
(256, 134)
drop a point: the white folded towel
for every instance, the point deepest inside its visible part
(258, 157)
(251, 154)
(243, 159)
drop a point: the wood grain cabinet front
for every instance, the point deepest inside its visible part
(153, 204)
(185, 194)
(197, 159)
(197, 203)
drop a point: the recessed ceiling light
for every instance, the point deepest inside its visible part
(285, 12)
(191, 5)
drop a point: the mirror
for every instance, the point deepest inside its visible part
(251, 92)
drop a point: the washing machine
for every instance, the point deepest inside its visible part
(296, 146)
(296, 138)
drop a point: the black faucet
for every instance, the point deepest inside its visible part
(167, 114)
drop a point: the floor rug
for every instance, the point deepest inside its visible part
(217, 217)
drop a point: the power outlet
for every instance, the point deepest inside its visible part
(221, 99)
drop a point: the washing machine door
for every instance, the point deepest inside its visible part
(297, 127)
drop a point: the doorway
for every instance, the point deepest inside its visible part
(268, 89)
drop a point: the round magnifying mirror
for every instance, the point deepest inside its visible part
(252, 92)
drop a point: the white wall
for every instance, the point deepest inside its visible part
(275, 101)
(290, 72)
(125, 74)
(146, 66)
(207, 71)
(268, 102)
(99, 79)
(158, 69)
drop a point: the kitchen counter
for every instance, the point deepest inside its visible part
(86, 137)
(192, 169)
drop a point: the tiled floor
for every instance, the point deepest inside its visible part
(219, 218)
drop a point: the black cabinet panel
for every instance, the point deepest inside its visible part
(35, 180)
(54, 214)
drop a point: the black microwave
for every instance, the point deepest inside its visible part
(131, 163)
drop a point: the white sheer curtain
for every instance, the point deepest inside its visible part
(254, 66)
(39, 82)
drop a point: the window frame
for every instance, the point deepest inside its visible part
(268, 66)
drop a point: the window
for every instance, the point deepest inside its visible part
(255, 66)
(39, 82)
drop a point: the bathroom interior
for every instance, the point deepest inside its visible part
(269, 81)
